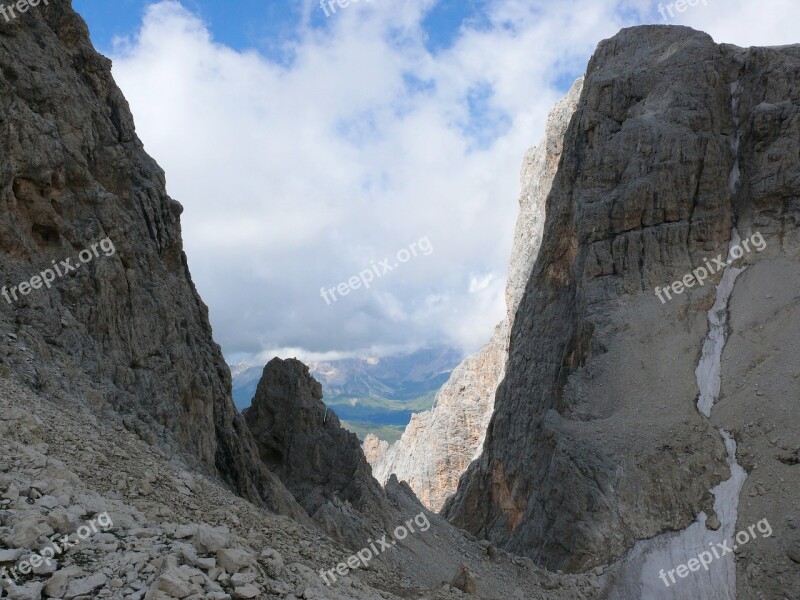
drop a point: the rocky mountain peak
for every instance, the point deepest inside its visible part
(681, 155)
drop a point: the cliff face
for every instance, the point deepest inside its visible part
(679, 151)
(438, 445)
(124, 331)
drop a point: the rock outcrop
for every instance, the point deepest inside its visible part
(438, 445)
(678, 147)
(302, 442)
(125, 331)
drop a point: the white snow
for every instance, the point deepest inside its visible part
(708, 369)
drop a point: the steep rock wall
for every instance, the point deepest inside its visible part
(596, 441)
(126, 332)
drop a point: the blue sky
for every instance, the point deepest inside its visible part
(242, 24)
(306, 148)
(262, 24)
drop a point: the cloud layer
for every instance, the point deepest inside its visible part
(298, 175)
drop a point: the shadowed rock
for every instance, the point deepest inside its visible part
(304, 444)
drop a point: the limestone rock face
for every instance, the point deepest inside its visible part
(678, 147)
(374, 448)
(125, 331)
(439, 444)
(303, 443)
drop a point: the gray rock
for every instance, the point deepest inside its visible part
(319, 461)
(273, 562)
(174, 584)
(11, 556)
(56, 586)
(27, 531)
(792, 549)
(234, 560)
(133, 342)
(30, 591)
(464, 581)
(246, 592)
(85, 586)
(209, 540)
(44, 567)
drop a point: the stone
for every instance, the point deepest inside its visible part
(45, 567)
(240, 579)
(56, 586)
(31, 590)
(173, 584)
(143, 533)
(185, 531)
(12, 493)
(246, 592)
(464, 581)
(27, 531)
(10, 556)
(85, 586)
(792, 549)
(209, 540)
(273, 562)
(234, 560)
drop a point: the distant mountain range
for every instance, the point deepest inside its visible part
(370, 395)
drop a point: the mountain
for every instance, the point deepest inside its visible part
(647, 414)
(119, 324)
(438, 445)
(369, 394)
(649, 406)
(123, 457)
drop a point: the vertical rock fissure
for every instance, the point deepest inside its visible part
(709, 369)
(654, 558)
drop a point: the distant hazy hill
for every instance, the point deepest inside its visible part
(370, 395)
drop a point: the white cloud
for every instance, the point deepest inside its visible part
(741, 22)
(296, 177)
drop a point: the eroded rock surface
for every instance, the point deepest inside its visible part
(126, 332)
(304, 444)
(596, 441)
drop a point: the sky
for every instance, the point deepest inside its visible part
(310, 143)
